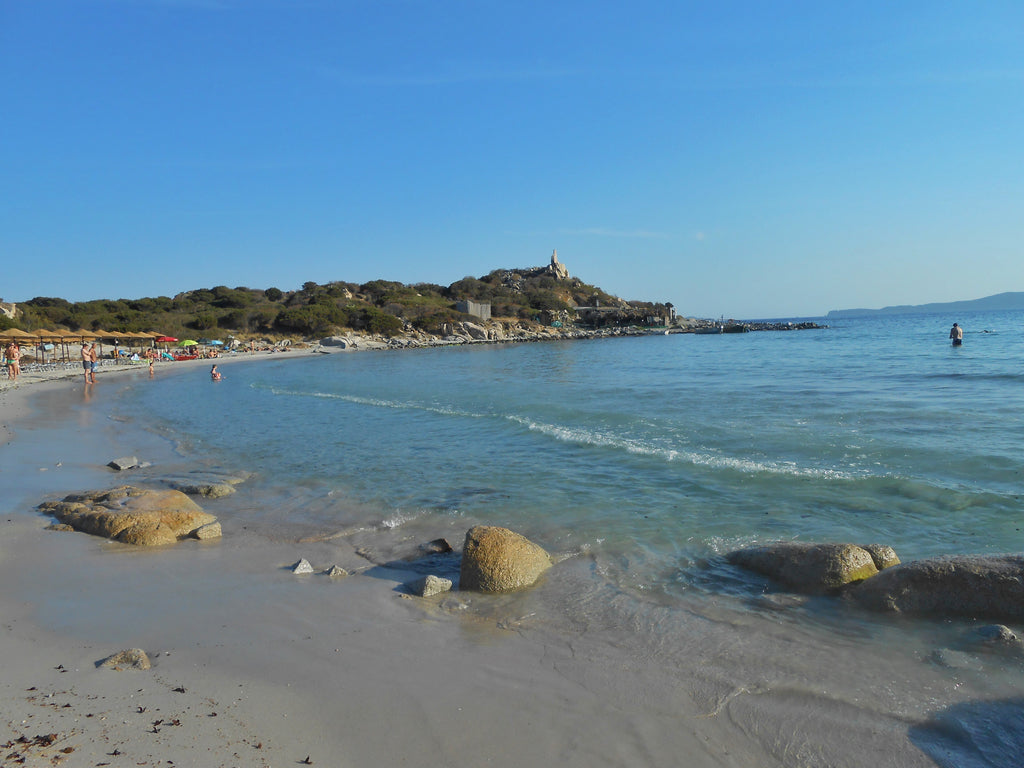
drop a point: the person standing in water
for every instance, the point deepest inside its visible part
(214, 374)
(86, 361)
(93, 361)
(956, 333)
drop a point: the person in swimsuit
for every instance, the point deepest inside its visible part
(93, 356)
(13, 360)
(9, 359)
(214, 374)
(86, 361)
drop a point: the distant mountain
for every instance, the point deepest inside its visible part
(998, 303)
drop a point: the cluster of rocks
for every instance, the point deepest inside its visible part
(305, 568)
(208, 483)
(497, 332)
(493, 559)
(468, 332)
(146, 516)
(872, 576)
(497, 559)
(692, 325)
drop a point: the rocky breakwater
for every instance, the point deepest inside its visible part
(131, 515)
(872, 576)
(499, 560)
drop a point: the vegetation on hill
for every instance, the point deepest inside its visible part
(379, 307)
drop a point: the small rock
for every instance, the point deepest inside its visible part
(436, 547)
(336, 572)
(123, 463)
(208, 531)
(998, 634)
(302, 567)
(208, 484)
(132, 658)
(428, 586)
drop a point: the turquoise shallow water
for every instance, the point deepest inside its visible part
(664, 447)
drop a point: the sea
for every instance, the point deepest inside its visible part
(639, 463)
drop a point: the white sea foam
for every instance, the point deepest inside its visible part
(596, 438)
(379, 403)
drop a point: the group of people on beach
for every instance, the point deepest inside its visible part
(12, 360)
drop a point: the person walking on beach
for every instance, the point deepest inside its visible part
(956, 333)
(93, 357)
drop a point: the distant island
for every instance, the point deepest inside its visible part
(1000, 302)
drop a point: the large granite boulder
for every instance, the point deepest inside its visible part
(989, 587)
(809, 568)
(499, 560)
(133, 515)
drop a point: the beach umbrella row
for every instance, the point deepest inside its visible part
(64, 337)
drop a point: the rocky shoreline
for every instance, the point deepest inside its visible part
(496, 332)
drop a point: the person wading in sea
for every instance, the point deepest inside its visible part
(956, 333)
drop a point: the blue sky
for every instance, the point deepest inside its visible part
(745, 158)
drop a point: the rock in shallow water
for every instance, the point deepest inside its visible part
(123, 463)
(208, 484)
(808, 568)
(499, 560)
(428, 586)
(973, 587)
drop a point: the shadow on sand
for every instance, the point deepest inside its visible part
(976, 734)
